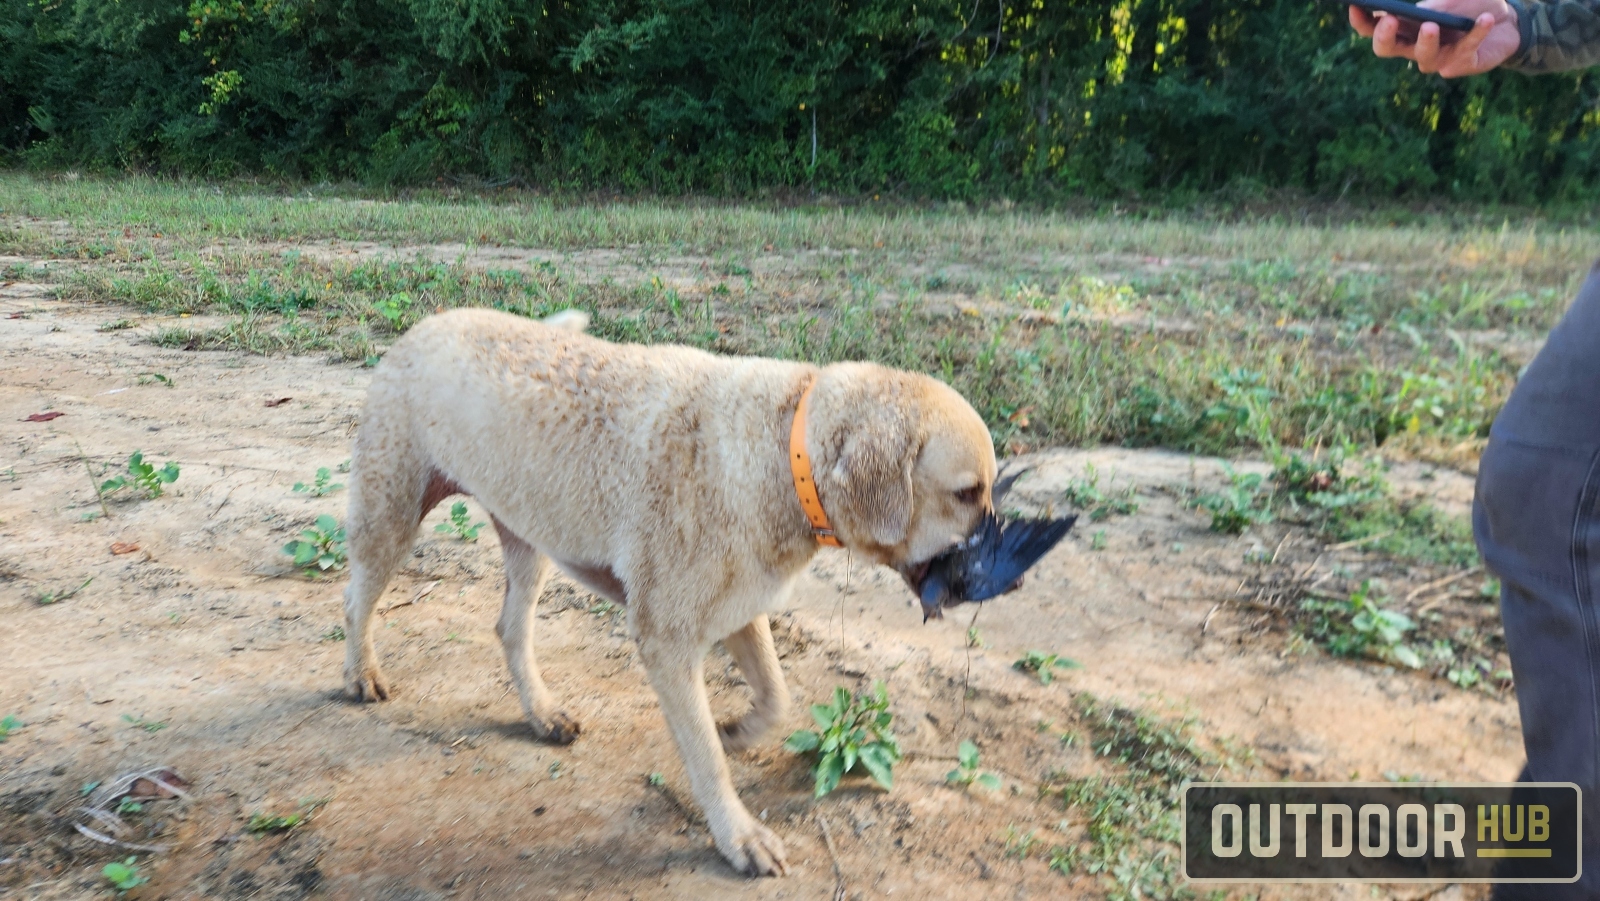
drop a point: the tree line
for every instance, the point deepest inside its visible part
(954, 99)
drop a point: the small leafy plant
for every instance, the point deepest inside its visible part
(264, 823)
(61, 594)
(142, 723)
(143, 476)
(460, 524)
(1086, 495)
(850, 731)
(967, 772)
(322, 485)
(9, 725)
(394, 309)
(1240, 505)
(1361, 627)
(1043, 666)
(124, 875)
(1020, 844)
(319, 548)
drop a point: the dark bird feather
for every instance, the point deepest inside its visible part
(991, 561)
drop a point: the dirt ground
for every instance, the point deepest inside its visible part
(204, 651)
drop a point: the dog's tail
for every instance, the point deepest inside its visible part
(571, 320)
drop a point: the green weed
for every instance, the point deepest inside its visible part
(460, 524)
(1131, 824)
(1360, 626)
(264, 823)
(320, 548)
(1043, 666)
(850, 731)
(1238, 506)
(57, 596)
(966, 772)
(143, 476)
(1085, 494)
(322, 485)
(124, 875)
(1019, 844)
(140, 722)
(8, 725)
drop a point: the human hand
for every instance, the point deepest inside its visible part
(1493, 39)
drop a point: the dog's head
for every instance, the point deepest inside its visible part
(906, 466)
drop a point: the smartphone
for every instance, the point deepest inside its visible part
(1415, 13)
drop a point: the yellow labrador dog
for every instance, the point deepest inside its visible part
(663, 478)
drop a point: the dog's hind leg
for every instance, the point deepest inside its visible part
(526, 571)
(391, 489)
(751, 647)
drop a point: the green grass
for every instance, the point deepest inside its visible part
(1129, 810)
(1189, 331)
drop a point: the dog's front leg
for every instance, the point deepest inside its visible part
(676, 670)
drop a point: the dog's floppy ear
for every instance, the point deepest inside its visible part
(872, 475)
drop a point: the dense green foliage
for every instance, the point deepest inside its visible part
(936, 98)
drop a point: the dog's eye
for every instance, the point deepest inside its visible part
(970, 495)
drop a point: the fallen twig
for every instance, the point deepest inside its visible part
(1440, 583)
(1357, 542)
(838, 872)
(302, 721)
(225, 498)
(98, 495)
(108, 840)
(422, 592)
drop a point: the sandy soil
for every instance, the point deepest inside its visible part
(442, 793)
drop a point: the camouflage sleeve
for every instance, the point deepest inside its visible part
(1556, 35)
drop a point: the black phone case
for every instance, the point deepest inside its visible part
(1416, 13)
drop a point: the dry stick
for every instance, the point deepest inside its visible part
(1440, 583)
(318, 709)
(1281, 542)
(106, 839)
(422, 592)
(838, 872)
(225, 499)
(1345, 545)
(966, 681)
(849, 574)
(104, 511)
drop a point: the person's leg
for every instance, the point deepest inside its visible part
(1536, 517)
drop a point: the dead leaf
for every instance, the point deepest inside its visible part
(44, 417)
(1021, 417)
(279, 402)
(18, 315)
(164, 783)
(118, 548)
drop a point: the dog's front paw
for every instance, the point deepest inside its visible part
(366, 684)
(558, 729)
(756, 851)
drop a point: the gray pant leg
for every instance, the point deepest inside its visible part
(1536, 517)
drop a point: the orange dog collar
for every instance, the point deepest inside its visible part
(805, 487)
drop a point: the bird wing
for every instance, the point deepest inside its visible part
(1005, 551)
